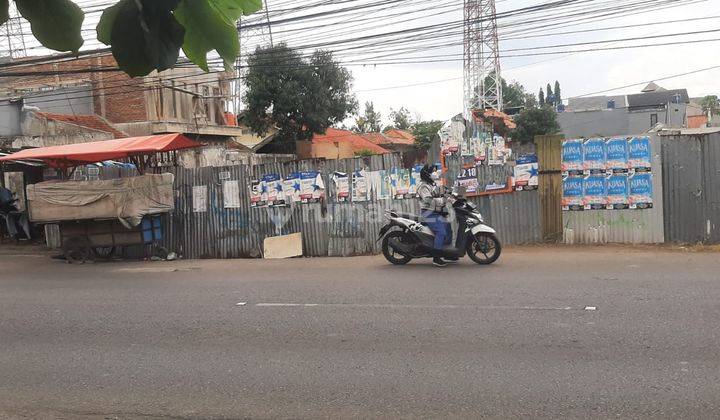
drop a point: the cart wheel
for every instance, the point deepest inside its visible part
(161, 252)
(104, 252)
(76, 250)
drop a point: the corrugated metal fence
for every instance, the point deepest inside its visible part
(329, 229)
(691, 165)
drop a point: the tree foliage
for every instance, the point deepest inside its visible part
(710, 105)
(371, 121)
(401, 119)
(144, 35)
(300, 96)
(541, 97)
(532, 122)
(557, 93)
(425, 133)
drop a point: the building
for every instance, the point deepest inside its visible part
(337, 144)
(619, 115)
(181, 100)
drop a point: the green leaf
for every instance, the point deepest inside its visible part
(4, 11)
(55, 23)
(144, 35)
(209, 25)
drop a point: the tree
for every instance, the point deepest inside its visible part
(144, 35)
(534, 122)
(370, 122)
(549, 98)
(710, 105)
(299, 96)
(401, 119)
(558, 95)
(541, 97)
(425, 133)
(513, 94)
(530, 101)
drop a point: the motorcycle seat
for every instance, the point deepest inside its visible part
(413, 217)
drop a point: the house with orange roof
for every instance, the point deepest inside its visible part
(337, 144)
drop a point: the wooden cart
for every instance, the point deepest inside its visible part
(84, 240)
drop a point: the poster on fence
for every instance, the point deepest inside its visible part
(616, 150)
(594, 156)
(639, 155)
(273, 189)
(467, 179)
(199, 198)
(256, 193)
(641, 191)
(572, 198)
(594, 192)
(525, 173)
(312, 187)
(451, 135)
(381, 185)
(231, 194)
(400, 182)
(291, 188)
(414, 181)
(572, 157)
(617, 192)
(341, 183)
(360, 190)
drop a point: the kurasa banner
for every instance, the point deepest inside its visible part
(607, 173)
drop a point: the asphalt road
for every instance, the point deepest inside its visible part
(356, 337)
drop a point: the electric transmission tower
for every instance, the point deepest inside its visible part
(254, 31)
(481, 60)
(12, 42)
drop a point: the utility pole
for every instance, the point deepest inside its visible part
(254, 31)
(481, 59)
(12, 41)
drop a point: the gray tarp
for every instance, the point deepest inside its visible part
(128, 199)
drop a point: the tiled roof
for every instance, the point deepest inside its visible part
(90, 121)
(400, 136)
(333, 135)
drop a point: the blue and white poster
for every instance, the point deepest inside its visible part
(594, 156)
(616, 151)
(291, 188)
(572, 157)
(595, 192)
(526, 172)
(641, 191)
(274, 190)
(617, 192)
(257, 198)
(572, 198)
(639, 154)
(414, 181)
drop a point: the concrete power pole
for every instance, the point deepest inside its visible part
(254, 31)
(12, 41)
(481, 60)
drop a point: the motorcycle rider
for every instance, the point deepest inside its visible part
(432, 205)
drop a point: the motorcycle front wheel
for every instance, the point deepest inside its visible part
(391, 254)
(484, 249)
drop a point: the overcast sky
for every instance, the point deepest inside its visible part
(436, 91)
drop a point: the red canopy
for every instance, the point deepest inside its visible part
(84, 153)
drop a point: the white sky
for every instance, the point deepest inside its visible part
(437, 93)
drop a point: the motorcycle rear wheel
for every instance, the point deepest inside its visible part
(392, 255)
(484, 249)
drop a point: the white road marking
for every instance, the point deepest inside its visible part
(400, 306)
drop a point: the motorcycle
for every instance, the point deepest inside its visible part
(414, 239)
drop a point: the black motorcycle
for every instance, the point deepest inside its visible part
(412, 238)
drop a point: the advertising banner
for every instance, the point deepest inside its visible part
(400, 182)
(572, 198)
(414, 181)
(641, 191)
(312, 187)
(256, 196)
(468, 180)
(341, 183)
(639, 154)
(572, 157)
(274, 190)
(360, 187)
(526, 173)
(291, 188)
(594, 156)
(616, 151)
(617, 192)
(595, 192)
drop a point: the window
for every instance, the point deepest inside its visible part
(653, 120)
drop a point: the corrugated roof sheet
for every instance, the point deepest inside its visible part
(658, 98)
